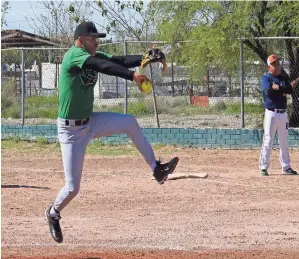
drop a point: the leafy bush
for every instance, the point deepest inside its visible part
(139, 109)
(220, 106)
(11, 112)
(47, 107)
(41, 107)
(10, 105)
(249, 108)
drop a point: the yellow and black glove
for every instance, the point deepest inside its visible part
(153, 55)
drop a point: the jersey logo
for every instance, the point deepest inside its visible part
(88, 77)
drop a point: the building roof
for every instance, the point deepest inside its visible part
(19, 38)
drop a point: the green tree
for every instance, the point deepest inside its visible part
(216, 28)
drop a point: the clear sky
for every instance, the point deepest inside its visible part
(17, 13)
(20, 9)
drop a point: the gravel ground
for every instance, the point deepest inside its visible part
(120, 213)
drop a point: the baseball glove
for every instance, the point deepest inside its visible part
(153, 55)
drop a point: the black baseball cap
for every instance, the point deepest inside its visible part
(87, 29)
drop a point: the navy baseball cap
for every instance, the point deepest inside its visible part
(87, 29)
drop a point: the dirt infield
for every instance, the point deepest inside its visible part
(121, 213)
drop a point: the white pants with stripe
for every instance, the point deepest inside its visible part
(74, 140)
(275, 122)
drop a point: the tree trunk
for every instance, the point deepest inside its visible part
(294, 117)
(294, 73)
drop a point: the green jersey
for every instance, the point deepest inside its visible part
(76, 85)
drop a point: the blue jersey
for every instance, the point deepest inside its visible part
(275, 99)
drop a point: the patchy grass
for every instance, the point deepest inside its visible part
(47, 107)
(42, 147)
(249, 108)
(27, 146)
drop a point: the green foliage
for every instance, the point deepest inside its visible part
(41, 107)
(42, 101)
(11, 112)
(8, 93)
(115, 49)
(71, 8)
(47, 107)
(10, 57)
(249, 108)
(41, 140)
(180, 106)
(217, 26)
(220, 106)
(119, 108)
(94, 148)
(13, 139)
(10, 106)
(35, 106)
(139, 108)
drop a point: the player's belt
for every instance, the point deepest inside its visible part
(277, 110)
(76, 122)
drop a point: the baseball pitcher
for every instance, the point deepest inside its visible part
(78, 124)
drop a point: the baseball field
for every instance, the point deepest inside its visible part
(121, 212)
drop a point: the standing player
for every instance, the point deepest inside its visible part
(77, 124)
(275, 88)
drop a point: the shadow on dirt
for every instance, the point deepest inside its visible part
(22, 186)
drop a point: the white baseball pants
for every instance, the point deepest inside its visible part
(275, 122)
(74, 140)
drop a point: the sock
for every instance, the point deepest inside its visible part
(53, 212)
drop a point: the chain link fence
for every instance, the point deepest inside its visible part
(212, 100)
(253, 70)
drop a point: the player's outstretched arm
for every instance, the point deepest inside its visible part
(107, 67)
(131, 61)
(128, 61)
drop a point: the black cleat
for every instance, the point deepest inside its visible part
(290, 171)
(264, 172)
(54, 226)
(162, 171)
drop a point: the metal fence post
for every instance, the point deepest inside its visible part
(50, 56)
(154, 98)
(172, 79)
(23, 87)
(126, 82)
(242, 85)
